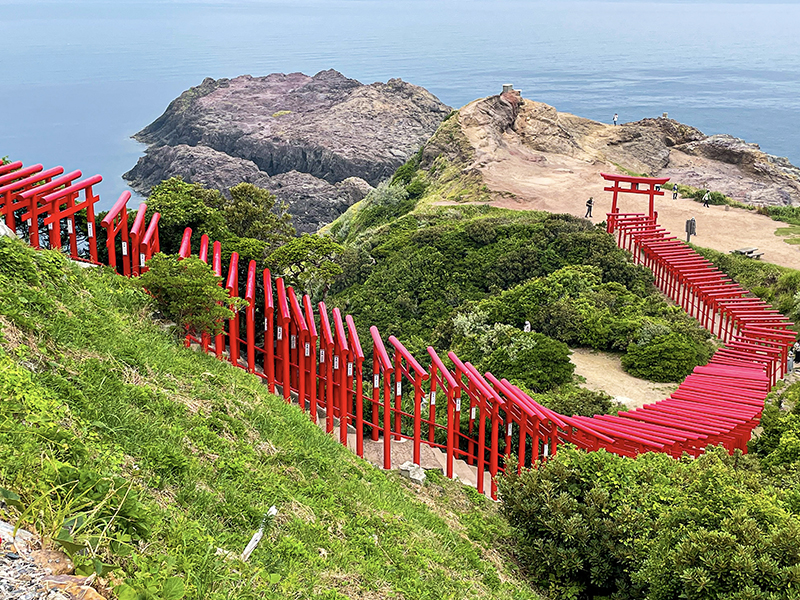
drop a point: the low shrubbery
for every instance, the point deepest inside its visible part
(716, 198)
(568, 279)
(573, 305)
(787, 214)
(595, 525)
(669, 357)
(529, 359)
(188, 293)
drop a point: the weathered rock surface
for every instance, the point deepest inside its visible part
(196, 164)
(532, 132)
(255, 128)
(314, 202)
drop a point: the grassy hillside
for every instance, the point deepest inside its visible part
(150, 463)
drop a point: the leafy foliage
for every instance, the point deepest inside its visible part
(250, 223)
(252, 212)
(189, 293)
(787, 214)
(596, 524)
(183, 205)
(669, 357)
(415, 275)
(308, 261)
(531, 360)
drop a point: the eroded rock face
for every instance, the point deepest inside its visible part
(326, 126)
(657, 147)
(314, 202)
(195, 164)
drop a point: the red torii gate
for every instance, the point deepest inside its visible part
(648, 187)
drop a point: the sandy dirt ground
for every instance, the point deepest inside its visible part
(532, 180)
(603, 373)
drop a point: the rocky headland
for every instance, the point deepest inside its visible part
(505, 125)
(516, 153)
(319, 143)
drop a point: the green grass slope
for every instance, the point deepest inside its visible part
(150, 463)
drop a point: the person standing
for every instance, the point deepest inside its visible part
(616, 116)
(706, 198)
(675, 191)
(589, 205)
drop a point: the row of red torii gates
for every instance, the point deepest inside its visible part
(315, 357)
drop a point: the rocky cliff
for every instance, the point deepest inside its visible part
(510, 152)
(664, 147)
(311, 133)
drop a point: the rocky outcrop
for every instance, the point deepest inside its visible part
(196, 164)
(535, 132)
(326, 126)
(314, 202)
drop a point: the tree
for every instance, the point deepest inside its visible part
(308, 261)
(253, 212)
(188, 292)
(183, 205)
(250, 219)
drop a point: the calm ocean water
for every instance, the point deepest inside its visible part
(79, 77)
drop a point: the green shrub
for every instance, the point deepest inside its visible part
(532, 360)
(592, 525)
(574, 400)
(787, 214)
(189, 293)
(665, 358)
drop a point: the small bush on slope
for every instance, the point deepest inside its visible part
(104, 401)
(189, 293)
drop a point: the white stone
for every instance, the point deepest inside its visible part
(5, 231)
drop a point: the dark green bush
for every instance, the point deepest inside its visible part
(592, 525)
(574, 400)
(666, 358)
(188, 292)
(533, 360)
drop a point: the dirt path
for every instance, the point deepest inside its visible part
(533, 180)
(603, 373)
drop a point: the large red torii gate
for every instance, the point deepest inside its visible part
(650, 186)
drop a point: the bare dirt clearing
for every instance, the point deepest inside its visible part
(603, 373)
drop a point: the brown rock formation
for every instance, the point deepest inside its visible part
(254, 128)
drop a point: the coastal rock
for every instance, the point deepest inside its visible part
(563, 144)
(314, 202)
(255, 128)
(195, 164)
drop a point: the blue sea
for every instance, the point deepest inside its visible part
(79, 77)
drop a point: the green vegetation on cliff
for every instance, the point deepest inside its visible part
(450, 276)
(158, 464)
